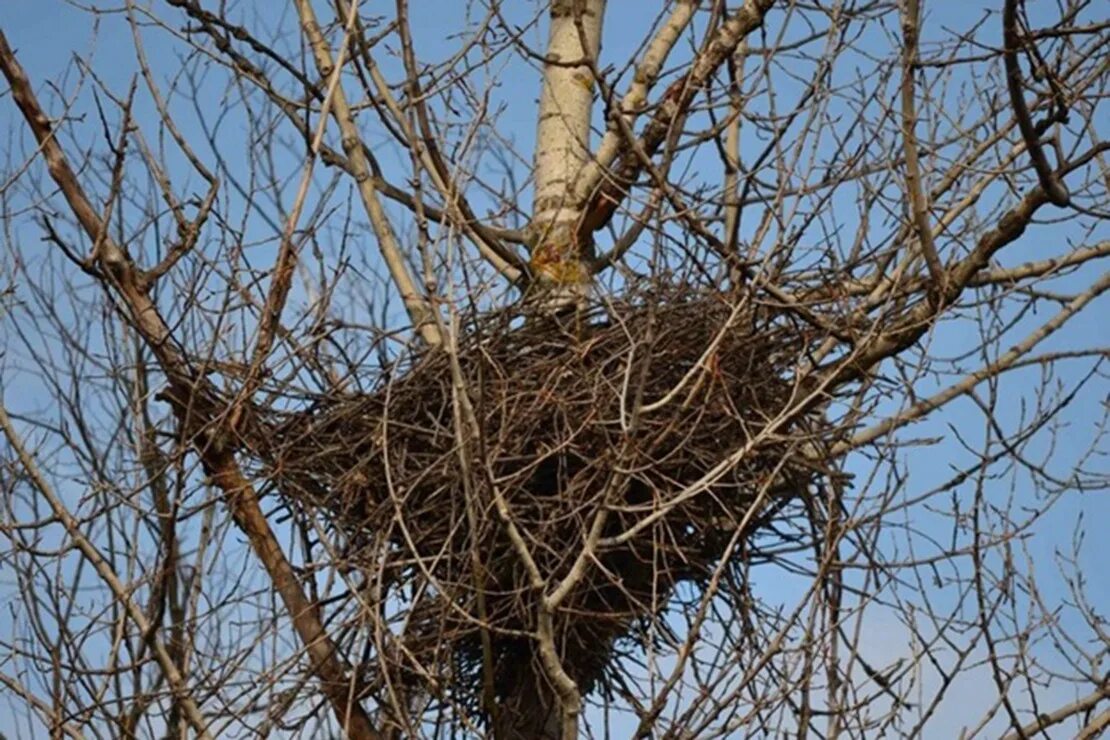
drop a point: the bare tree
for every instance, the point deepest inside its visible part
(750, 391)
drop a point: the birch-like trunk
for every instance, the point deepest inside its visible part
(560, 254)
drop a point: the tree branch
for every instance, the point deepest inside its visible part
(911, 18)
(193, 403)
(419, 310)
(1053, 187)
(605, 189)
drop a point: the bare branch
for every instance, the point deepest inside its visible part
(1057, 194)
(915, 190)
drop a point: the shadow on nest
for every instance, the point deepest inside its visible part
(671, 417)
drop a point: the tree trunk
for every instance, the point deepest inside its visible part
(531, 714)
(560, 255)
(560, 264)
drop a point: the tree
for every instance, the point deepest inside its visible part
(748, 402)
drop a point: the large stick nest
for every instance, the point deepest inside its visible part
(536, 423)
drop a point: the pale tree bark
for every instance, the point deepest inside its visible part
(560, 254)
(415, 303)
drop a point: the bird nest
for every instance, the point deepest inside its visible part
(655, 434)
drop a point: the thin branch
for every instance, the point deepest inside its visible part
(968, 383)
(90, 552)
(606, 189)
(919, 207)
(418, 307)
(1086, 704)
(1053, 187)
(281, 276)
(191, 396)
